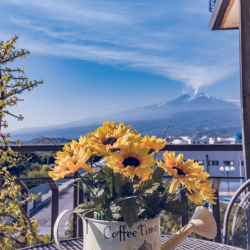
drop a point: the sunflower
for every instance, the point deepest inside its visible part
(183, 172)
(154, 143)
(204, 191)
(195, 197)
(73, 145)
(74, 156)
(69, 152)
(83, 141)
(132, 161)
(71, 164)
(58, 173)
(111, 136)
(96, 149)
(111, 126)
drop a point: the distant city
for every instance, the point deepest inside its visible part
(169, 139)
(204, 140)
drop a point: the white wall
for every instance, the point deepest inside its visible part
(212, 156)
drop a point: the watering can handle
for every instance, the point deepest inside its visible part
(55, 230)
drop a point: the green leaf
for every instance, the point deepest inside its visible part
(100, 175)
(108, 214)
(120, 181)
(116, 212)
(147, 187)
(161, 189)
(129, 212)
(127, 189)
(176, 207)
(158, 175)
(142, 202)
(107, 169)
(84, 206)
(103, 201)
(153, 200)
(145, 208)
(86, 181)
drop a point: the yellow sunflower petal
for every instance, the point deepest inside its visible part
(174, 185)
(87, 168)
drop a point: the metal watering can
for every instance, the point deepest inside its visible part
(143, 235)
(202, 223)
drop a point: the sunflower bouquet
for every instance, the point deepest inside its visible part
(124, 179)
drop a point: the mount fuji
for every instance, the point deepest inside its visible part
(192, 115)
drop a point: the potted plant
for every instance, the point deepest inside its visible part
(126, 187)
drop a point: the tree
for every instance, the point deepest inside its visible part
(12, 83)
(20, 231)
(17, 230)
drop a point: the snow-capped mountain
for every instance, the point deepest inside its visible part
(214, 110)
(198, 102)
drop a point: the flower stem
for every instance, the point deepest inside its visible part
(159, 201)
(179, 191)
(112, 184)
(85, 183)
(89, 173)
(98, 191)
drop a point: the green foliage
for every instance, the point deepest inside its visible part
(231, 217)
(158, 175)
(147, 187)
(10, 87)
(176, 206)
(33, 162)
(69, 231)
(127, 200)
(34, 166)
(36, 171)
(171, 223)
(21, 231)
(129, 211)
(47, 158)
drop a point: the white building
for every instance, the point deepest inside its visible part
(213, 160)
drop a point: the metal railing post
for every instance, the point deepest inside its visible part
(24, 191)
(54, 203)
(184, 218)
(75, 204)
(81, 200)
(216, 210)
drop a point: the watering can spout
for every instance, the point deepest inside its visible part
(202, 223)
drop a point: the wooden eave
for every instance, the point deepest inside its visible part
(219, 15)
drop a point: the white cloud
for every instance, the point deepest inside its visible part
(76, 11)
(139, 35)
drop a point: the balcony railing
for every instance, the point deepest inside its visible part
(211, 5)
(79, 192)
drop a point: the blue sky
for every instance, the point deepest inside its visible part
(101, 57)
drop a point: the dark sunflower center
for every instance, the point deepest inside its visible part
(110, 141)
(131, 161)
(179, 171)
(97, 158)
(150, 151)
